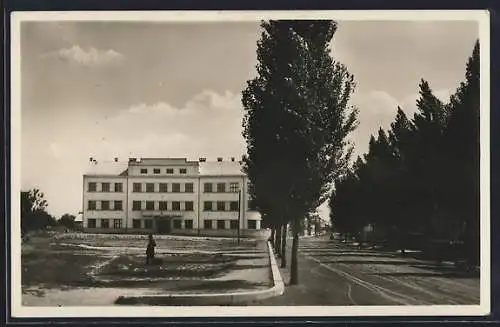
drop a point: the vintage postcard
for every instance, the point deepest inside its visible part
(288, 163)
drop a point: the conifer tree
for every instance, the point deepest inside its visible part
(462, 147)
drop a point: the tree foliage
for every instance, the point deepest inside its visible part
(67, 220)
(296, 121)
(33, 211)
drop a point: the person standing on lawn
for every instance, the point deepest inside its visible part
(150, 250)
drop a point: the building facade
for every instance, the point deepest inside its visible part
(168, 196)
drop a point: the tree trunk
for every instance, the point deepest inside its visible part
(271, 238)
(283, 246)
(277, 241)
(294, 274)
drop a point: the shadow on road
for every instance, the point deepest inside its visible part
(371, 255)
(369, 262)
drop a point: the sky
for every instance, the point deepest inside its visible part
(144, 89)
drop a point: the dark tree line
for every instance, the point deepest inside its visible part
(422, 175)
(296, 120)
(34, 215)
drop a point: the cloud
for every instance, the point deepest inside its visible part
(409, 102)
(378, 109)
(86, 57)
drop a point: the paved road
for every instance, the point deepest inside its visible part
(332, 273)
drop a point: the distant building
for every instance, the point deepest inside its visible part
(168, 196)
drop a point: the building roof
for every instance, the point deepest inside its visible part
(206, 168)
(106, 168)
(220, 168)
(163, 162)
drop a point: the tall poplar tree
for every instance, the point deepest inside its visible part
(297, 120)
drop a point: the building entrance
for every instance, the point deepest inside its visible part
(163, 226)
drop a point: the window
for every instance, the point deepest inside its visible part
(250, 205)
(105, 205)
(156, 170)
(221, 187)
(221, 206)
(188, 224)
(221, 224)
(105, 187)
(233, 224)
(148, 223)
(91, 223)
(188, 206)
(117, 223)
(207, 224)
(163, 187)
(137, 187)
(118, 187)
(163, 205)
(150, 187)
(170, 170)
(233, 206)
(104, 223)
(144, 171)
(234, 187)
(183, 171)
(207, 206)
(176, 187)
(136, 205)
(176, 206)
(177, 224)
(91, 205)
(92, 187)
(118, 205)
(207, 187)
(150, 205)
(136, 223)
(188, 188)
(252, 224)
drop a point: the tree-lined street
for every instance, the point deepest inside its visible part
(403, 218)
(333, 273)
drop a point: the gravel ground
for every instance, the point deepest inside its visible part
(81, 269)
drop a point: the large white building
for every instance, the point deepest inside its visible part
(168, 196)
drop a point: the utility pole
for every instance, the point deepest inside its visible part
(239, 214)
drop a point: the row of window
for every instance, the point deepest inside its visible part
(164, 187)
(105, 205)
(177, 224)
(169, 171)
(105, 187)
(164, 205)
(188, 205)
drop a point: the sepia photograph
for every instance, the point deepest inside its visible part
(250, 163)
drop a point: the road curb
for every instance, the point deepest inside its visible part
(213, 298)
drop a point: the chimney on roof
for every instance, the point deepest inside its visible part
(203, 159)
(219, 159)
(232, 159)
